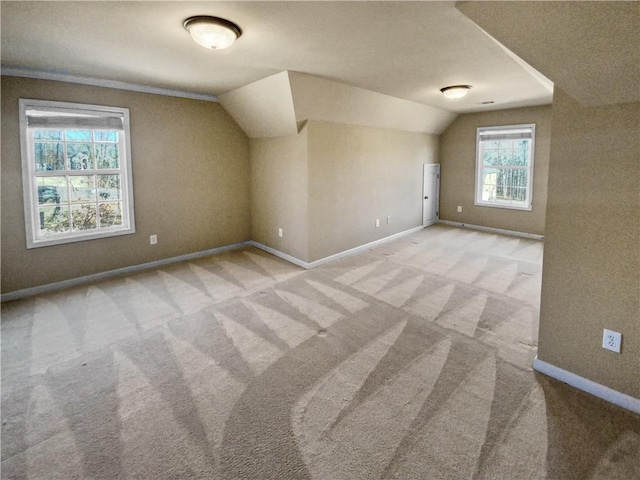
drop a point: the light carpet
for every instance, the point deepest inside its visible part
(409, 361)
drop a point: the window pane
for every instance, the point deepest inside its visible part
(489, 181)
(520, 157)
(520, 178)
(82, 189)
(52, 190)
(47, 134)
(48, 156)
(502, 182)
(508, 144)
(78, 135)
(491, 157)
(109, 187)
(107, 156)
(506, 157)
(83, 217)
(519, 194)
(80, 157)
(510, 185)
(105, 136)
(489, 176)
(110, 214)
(53, 220)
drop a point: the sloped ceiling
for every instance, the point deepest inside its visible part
(320, 99)
(275, 106)
(407, 50)
(263, 108)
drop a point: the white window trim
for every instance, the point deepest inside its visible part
(528, 206)
(29, 185)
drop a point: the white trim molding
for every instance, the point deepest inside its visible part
(485, 135)
(482, 228)
(98, 82)
(337, 256)
(613, 396)
(279, 254)
(74, 282)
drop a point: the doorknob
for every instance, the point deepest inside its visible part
(426, 198)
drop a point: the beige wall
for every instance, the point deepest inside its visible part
(591, 271)
(458, 170)
(190, 176)
(591, 268)
(279, 193)
(359, 174)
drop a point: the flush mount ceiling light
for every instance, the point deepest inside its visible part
(455, 91)
(212, 32)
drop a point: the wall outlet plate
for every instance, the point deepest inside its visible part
(153, 239)
(611, 340)
(459, 209)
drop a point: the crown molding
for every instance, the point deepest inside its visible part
(98, 82)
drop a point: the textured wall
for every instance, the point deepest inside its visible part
(358, 174)
(190, 176)
(592, 234)
(591, 267)
(279, 193)
(458, 170)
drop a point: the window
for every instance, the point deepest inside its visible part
(504, 166)
(76, 172)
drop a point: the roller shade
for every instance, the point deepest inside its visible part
(107, 123)
(505, 134)
(55, 118)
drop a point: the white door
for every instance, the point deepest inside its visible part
(431, 194)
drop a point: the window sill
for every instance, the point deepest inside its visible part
(525, 208)
(47, 242)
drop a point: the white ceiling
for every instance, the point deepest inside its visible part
(404, 49)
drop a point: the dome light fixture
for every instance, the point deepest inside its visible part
(212, 32)
(455, 91)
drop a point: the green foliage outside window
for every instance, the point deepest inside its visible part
(70, 202)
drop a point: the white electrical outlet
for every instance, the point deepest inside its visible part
(153, 239)
(280, 232)
(377, 222)
(611, 340)
(459, 209)
(388, 218)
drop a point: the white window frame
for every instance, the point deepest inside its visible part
(73, 112)
(509, 131)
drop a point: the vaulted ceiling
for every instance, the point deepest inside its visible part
(407, 50)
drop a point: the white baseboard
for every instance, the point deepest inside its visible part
(337, 256)
(361, 248)
(482, 228)
(613, 396)
(279, 254)
(73, 282)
